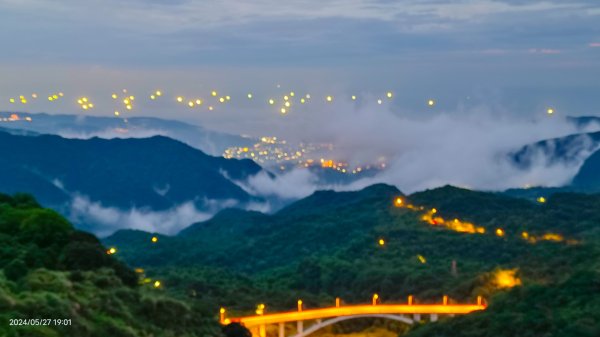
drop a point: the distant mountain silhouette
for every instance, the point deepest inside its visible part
(154, 173)
(588, 177)
(563, 149)
(78, 126)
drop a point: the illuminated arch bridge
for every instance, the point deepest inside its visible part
(408, 313)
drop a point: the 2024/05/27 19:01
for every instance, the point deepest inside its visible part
(39, 321)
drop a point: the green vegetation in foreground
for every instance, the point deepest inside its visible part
(51, 271)
(326, 246)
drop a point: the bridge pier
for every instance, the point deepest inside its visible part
(417, 317)
(300, 327)
(281, 329)
(434, 317)
(262, 331)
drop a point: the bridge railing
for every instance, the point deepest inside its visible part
(375, 308)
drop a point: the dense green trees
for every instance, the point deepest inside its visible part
(51, 271)
(322, 247)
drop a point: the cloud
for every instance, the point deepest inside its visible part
(295, 184)
(110, 133)
(544, 51)
(465, 148)
(103, 221)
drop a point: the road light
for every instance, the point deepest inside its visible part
(375, 299)
(222, 315)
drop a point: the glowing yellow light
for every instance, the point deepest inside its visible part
(398, 202)
(422, 259)
(91, 105)
(54, 97)
(431, 102)
(322, 313)
(85, 107)
(191, 104)
(550, 111)
(541, 200)
(285, 98)
(283, 111)
(379, 101)
(292, 93)
(249, 96)
(132, 98)
(329, 98)
(381, 242)
(213, 93)
(156, 284)
(389, 94)
(199, 102)
(154, 239)
(222, 310)
(228, 98)
(117, 113)
(287, 104)
(49, 98)
(61, 94)
(507, 278)
(302, 100)
(353, 97)
(114, 96)
(111, 250)
(12, 100)
(179, 99)
(84, 99)
(260, 309)
(552, 237)
(158, 93)
(126, 101)
(271, 101)
(525, 235)
(128, 107)
(222, 99)
(152, 97)
(79, 101)
(210, 108)
(500, 232)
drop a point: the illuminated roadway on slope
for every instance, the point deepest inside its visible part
(353, 310)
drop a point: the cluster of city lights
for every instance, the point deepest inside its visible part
(15, 118)
(85, 103)
(273, 151)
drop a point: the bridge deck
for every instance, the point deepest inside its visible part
(351, 310)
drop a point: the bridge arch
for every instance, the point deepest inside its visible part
(320, 325)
